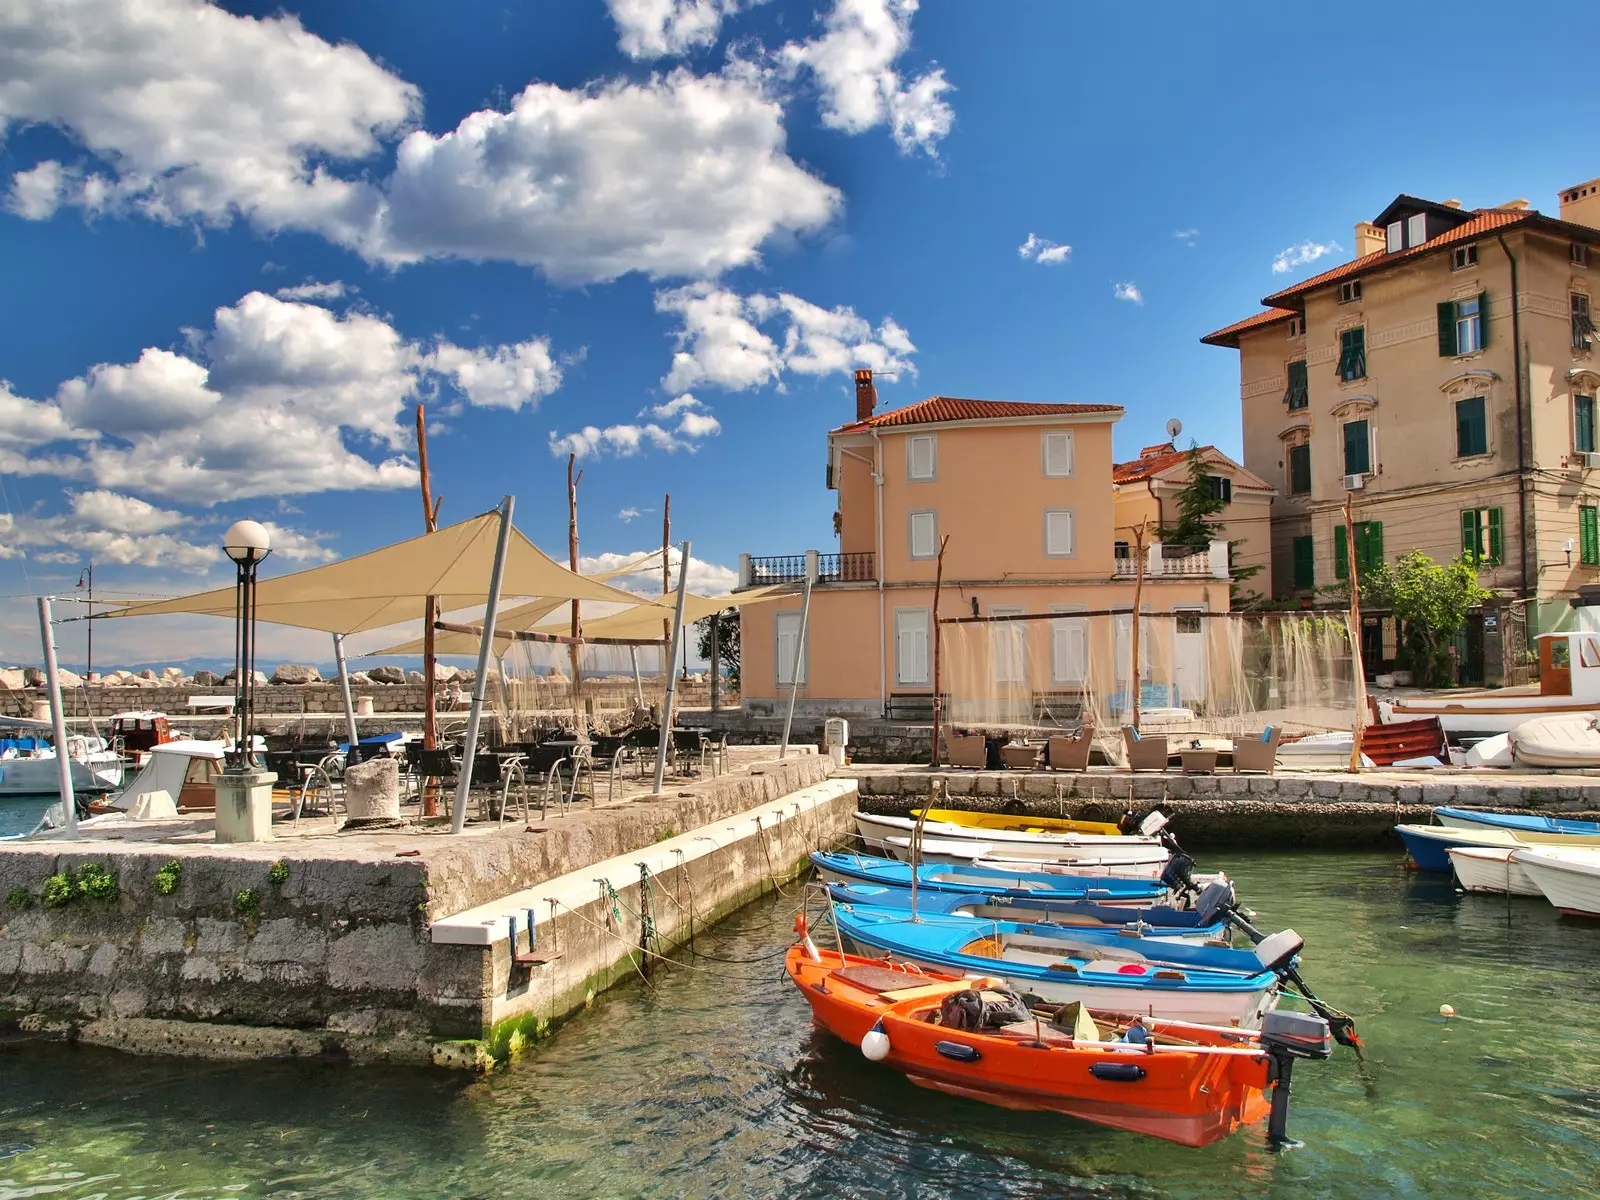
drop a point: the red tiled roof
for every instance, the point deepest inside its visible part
(1158, 448)
(1229, 335)
(1148, 464)
(949, 408)
(1484, 220)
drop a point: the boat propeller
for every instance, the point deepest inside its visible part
(1277, 951)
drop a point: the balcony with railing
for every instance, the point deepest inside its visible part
(1178, 562)
(855, 567)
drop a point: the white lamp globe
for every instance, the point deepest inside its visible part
(247, 542)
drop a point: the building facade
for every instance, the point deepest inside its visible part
(1443, 383)
(1019, 496)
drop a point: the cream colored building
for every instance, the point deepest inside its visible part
(1443, 382)
(1024, 494)
(1147, 490)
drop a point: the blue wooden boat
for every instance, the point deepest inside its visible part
(1101, 968)
(1158, 923)
(1471, 818)
(1429, 845)
(968, 879)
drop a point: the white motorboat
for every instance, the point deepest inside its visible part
(1490, 869)
(1144, 860)
(880, 831)
(1571, 689)
(1568, 876)
(28, 764)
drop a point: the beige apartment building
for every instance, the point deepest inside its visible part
(1444, 383)
(1024, 493)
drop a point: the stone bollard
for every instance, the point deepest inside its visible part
(372, 794)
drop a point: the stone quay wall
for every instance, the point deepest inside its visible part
(1254, 812)
(322, 948)
(287, 700)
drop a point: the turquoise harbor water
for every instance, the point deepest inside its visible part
(715, 1084)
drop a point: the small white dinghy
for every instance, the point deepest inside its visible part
(1563, 740)
(1568, 876)
(1490, 869)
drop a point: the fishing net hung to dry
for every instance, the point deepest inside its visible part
(616, 683)
(1223, 674)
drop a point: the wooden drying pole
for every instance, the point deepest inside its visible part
(430, 614)
(1359, 724)
(579, 725)
(666, 577)
(1135, 680)
(938, 707)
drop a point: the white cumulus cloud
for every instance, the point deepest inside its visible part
(722, 341)
(1043, 250)
(312, 291)
(853, 62)
(502, 377)
(659, 28)
(704, 578)
(1129, 291)
(1301, 254)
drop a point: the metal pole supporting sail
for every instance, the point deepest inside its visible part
(799, 658)
(469, 751)
(58, 718)
(672, 679)
(344, 691)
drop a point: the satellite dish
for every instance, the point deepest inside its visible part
(1174, 427)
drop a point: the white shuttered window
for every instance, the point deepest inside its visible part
(921, 457)
(1008, 645)
(1058, 454)
(1069, 648)
(911, 656)
(1058, 533)
(786, 626)
(925, 534)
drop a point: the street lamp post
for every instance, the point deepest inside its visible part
(247, 543)
(88, 574)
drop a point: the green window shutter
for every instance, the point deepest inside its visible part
(1341, 554)
(1447, 329)
(1369, 544)
(1496, 535)
(1357, 448)
(1472, 429)
(1583, 419)
(1469, 534)
(1299, 470)
(1360, 341)
(1483, 319)
(1588, 536)
(1305, 568)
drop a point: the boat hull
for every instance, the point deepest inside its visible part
(1191, 1098)
(1490, 869)
(38, 777)
(1428, 844)
(1480, 715)
(965, 879)
(1571, 883)
(1145, 864)
(1468, 818)
(878, 831)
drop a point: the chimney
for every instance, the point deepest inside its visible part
(1370, 238)
(866, 395)
(1581, 204)
(1517, 205)
(1452, 203)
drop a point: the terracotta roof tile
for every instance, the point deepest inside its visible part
(1147, 465)
(1484, 220)
(1229, 334)
(936, 409)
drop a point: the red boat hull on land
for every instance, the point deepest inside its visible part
(1189, 1095)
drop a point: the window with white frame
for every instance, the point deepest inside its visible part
(1417, 229)
(1058, 453)
(1008, 645)
(921, 457)
(911, 645)
(786, 642)
(1058, 533)
(925, 534)
(1069, 646)
(1394, 237)
(1469, 325)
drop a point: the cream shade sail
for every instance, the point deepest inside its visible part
(391, 585)
(523, 616)
(644, 620)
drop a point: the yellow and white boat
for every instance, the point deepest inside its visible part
(1015, 823)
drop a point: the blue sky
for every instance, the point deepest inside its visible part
(547, 219)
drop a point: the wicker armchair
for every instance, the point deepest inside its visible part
(1257, 753)
(1072, 753)
(965, 749)
(1144, 754)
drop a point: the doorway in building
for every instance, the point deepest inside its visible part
(1469, 650)
(1371, 644)
(1189, 657)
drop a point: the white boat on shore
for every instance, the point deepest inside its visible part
(1490, 869)
(28, 764)
(1569, 877)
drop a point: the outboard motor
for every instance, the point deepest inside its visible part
(1216, 900)
(1277, 951)
(1286, 1036)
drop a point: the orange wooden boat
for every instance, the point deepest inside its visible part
(1189, 1084)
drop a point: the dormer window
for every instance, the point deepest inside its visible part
(1417, 230)
(1396, 237)
(1406, 232)
(1350, 292)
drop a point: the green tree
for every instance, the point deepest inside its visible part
(1197, 503)
(727, 642)
(1431, 601)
